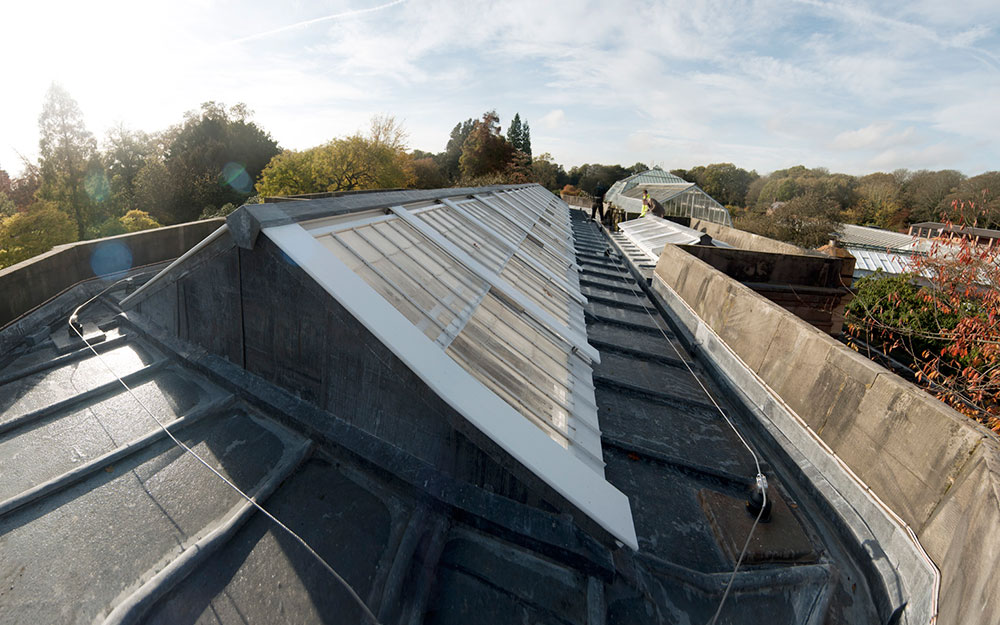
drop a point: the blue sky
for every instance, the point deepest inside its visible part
(852, 86)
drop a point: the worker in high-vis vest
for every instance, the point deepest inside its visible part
(645, 202)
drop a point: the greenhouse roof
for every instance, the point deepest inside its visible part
(863, 236)
(650, 233)
(480, 297)
(678, 197)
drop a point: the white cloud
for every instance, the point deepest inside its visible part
(552, 119)
(760, 83)
(875, 136)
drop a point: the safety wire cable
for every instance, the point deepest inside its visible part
(761, 480)
(76, 327)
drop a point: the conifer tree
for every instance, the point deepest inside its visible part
(515, 132)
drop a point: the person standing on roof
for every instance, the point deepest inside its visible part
(645, 202)
(597, 205)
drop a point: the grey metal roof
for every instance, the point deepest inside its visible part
(861, 236)
(102, 518)
(954, 228)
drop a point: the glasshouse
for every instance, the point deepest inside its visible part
(678, 197)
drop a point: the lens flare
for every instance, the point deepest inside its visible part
(111, 259)
(97, 187)
(235, 175)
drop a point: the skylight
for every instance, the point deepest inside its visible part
(480, 296)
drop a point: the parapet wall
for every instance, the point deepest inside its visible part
(936, 469)
(33, 282)
(748, 240)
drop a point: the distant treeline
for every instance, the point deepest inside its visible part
(216, 158)
(803, 205)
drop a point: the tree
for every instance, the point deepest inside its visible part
(66, 149)
(948, 332)
(7, 207)
(546, 172)
(807, 221)
(214, 157)
(126, 153)
(485, 151)
(515, 132)
(34, 231)
(925, 191)
(425, 174)
(725, 182)
(153, 190)
(519, 135)
(588, 176)
(374, 161)
(979, 200)
(136, 220)
(23, 188)
(453, 151)
(879, 202)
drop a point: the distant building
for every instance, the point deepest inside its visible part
(933, 229)
(892, 253)
(679, 197)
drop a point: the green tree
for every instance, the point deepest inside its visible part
(214, 157)
(588, 176)
(136, 220)
(546, 172)
(807, 220)
(126, 152)
(453, 150)
(153, 190)
(515, 132)
(377, 160)
(66, 149)
(725, 182)
(526, 140)
(34, 231)
(7, 206)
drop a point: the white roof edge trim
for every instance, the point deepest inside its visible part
(525, 442)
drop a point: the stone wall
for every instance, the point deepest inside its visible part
(33, 282)
(748, 240)
(936, 469)
(808, 286)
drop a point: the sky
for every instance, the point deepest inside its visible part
(855, 87)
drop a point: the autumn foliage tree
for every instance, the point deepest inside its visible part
(376, 160)
(485, 150)
(948, 329)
